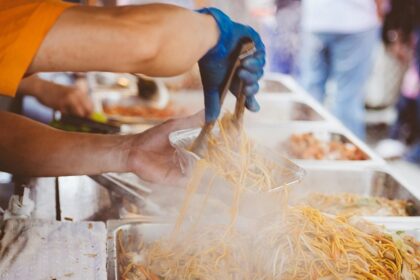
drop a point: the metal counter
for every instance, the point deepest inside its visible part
(286, 109)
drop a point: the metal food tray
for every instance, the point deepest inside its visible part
(133, 226)
(276, 136)
(153, 229)
(357, 180)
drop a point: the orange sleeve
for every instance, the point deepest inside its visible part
(23, 26)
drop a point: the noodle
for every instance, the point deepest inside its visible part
(353, 204)
(289, 242)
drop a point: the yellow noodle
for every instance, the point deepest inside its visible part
(294, 242)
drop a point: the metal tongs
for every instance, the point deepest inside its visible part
(244, 49)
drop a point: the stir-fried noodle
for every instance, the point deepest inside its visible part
(288, 242)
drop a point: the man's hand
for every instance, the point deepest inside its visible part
(72, 100)
(151, 155)
(215, 64)
(40, 151)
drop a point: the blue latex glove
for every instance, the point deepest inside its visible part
(217, 62)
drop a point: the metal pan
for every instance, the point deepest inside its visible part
(357, 180)
(146, 228)
(277, 137)
(149, 229)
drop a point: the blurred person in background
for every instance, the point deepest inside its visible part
(338, 37)
(38, 96)
(401, 35)
(285, 41)
(66, 93)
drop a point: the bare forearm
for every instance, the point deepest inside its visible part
(37, 87)
(157, 40)
(32, 149)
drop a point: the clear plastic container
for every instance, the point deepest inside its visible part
(285, 173)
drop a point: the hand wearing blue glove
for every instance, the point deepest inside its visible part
(217, 62)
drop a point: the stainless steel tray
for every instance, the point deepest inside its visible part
(275, 136)
(357, 180)
(136, 227)
(152, 229)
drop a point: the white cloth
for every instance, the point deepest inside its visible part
(40, 250)
(339, 16)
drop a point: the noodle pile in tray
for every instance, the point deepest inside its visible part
(276, 241)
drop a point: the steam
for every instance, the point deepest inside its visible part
(224, 233)
(228, 231)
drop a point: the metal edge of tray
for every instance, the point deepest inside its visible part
(111, 247)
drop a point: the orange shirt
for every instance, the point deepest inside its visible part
(23, 26)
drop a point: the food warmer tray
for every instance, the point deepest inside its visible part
(152, 229)
(131, 225)
(274, 136)
(357, 180)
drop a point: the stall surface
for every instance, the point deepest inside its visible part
(286, 109)
(53, 250)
